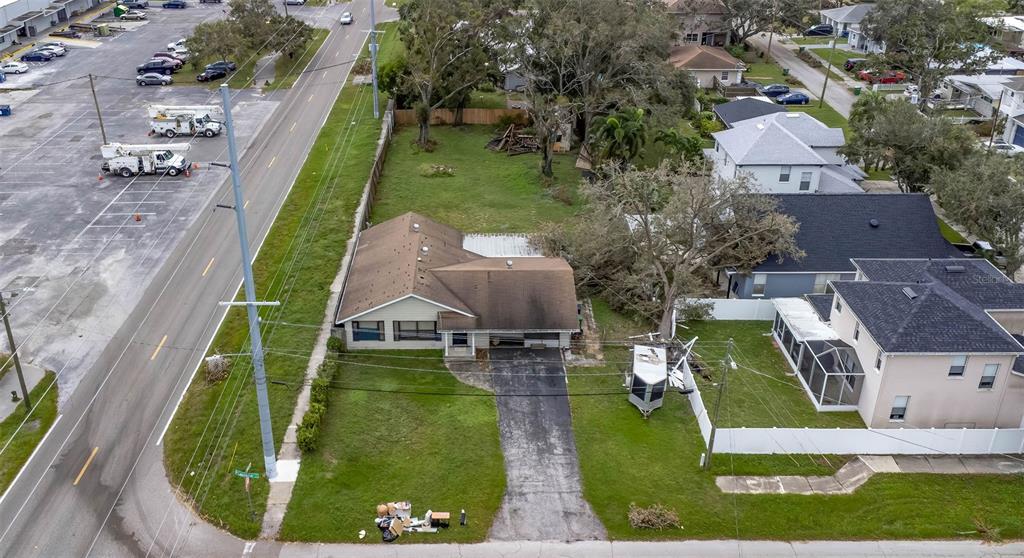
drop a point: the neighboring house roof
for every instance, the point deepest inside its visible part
(822, 304)
(702, 57)
(695, 7)
(1008, 23)
(766, 143)
(1015, 84)
(411, 255)
(848, 14)
(932, 306)
(805, 127)
(835, 181)
(837, 227)
(745, 109)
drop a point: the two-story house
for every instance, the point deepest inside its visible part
(912, 343)
(843, 17)
(1007, 32)
(786, 152)
(701, 22)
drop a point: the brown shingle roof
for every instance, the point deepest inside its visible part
(701, 57)
(695, 7)
(390, 264)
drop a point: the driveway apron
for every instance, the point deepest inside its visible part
(544, 496)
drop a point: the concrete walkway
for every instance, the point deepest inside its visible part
(860, 469)
(9, 383)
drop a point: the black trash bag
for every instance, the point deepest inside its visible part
(388, 536)
(383, 523)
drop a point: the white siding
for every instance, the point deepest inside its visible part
(706, 78)
(766, 177)
(409, 309)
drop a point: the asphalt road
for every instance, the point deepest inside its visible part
(93, 485)
(836, 95)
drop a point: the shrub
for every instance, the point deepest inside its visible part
(506, 120)
(217, 368)
(708, 127)
(653, 517)
(434, 170)
(335, 344)
(327, 370)
(319, 390)
(487, 87)
(314, 415)
(308, 438)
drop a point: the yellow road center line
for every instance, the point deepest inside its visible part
(292, 129)
(86, 466)
(272, 161)
(158, 347)
(208, 266)
(311, 97)
(246, 204)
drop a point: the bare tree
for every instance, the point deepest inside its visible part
(649, 237)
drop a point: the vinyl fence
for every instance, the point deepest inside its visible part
(407, 117)
(739, 308)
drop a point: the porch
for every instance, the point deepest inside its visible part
(827, 367)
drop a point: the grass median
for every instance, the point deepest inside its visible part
(18, 440)
(216, 428)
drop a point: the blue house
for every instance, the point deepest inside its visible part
(835, 228)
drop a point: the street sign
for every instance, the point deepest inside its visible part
(246, 474)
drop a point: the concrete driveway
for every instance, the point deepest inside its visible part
(544, 497)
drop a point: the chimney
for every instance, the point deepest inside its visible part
(508, 264)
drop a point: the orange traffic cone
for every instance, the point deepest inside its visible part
(195, 166)
(138, 217)
(188, 172)
(99, 177)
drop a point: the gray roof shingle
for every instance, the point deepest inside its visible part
(849, 14)
(745, 109)
(837, 227)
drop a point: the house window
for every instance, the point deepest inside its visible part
(899, 407)
(805, 181)
(367, 331)
(460, 339)
(784, 172)
(725, 76)
(856, 331)
(821, 281)
(416, 331)
(878, 361)
(760, 279)
(839, 306)
(988, 376)
(691, 38)
(956, 370)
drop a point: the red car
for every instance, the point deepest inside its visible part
(891, 76)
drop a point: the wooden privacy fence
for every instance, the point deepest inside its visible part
(407, 117)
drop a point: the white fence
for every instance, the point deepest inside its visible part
(853, 441)
(739, 308)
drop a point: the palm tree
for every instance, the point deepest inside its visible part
(619, 137)
(690, 148)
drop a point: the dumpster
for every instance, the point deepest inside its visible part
(119, 10)
(856, 89)
(103, 30)
(5, 110)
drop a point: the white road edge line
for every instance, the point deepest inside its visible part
(29, 460)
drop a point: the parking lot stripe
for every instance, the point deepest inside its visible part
(272, 159)
(208, 266)
(310, 97)
(158, 347)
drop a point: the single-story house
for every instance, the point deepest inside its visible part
(914, 343)
(708, 65)
(744, 109)
(843, 17)
(701, 22)
(837, 228)
(785, 152)
(413, 285)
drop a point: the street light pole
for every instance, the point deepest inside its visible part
(14, 353)
(255, 340)
(373, 57)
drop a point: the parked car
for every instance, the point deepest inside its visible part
(210, 1)
(54, 49)
(226, 65)
(852, 64)
(891, 76)
(60, 44)
(13, 67)
(346, 18)
(211, 74)
(136, 4)
(295, 2)
(1002, 148)
(67, 34)
(133, 15)
(163, 56)
(180, 43)
(820, 30)
(154, 79)
(175, 4)
(181, 52)
(169, 56)
(158, 66)
(37, 56)
(795, 98)
(774, 90)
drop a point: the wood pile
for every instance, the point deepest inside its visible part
(514, 143)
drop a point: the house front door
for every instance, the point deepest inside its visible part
(1018, 135)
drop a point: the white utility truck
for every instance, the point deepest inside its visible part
(172, 121)
(129, 160)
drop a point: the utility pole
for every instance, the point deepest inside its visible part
(995, 120)
(831, 55)
(99, 115)
(285, 2)
(726, 365)
(771, 34)
(255, 340)
(373, 57)
(14, 353)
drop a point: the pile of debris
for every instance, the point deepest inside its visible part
(513, 142)
(394, 518)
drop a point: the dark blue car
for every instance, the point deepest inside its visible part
(793, 99)
(774, 90)
(37, 56)
(176, 4)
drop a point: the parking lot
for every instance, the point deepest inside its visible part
(80, 248)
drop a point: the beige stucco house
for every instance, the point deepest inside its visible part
(912, 343)
(413, 284)
(708, 65)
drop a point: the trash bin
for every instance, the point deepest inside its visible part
(785, 71)
(5, 110)
(802, 49)
(856, 89)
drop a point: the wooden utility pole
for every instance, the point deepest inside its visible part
(726, 365)
(14, 353)
(99, 115)
(828, 70)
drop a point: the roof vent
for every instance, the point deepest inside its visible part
(874, 223)
(760, 126)
(792, 115)
(424, 249)
(416, 227)
(508, 264)
(911, 294)
(955, 269)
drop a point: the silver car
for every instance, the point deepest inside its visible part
(154, 79)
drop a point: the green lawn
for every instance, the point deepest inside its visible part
(826, 114)
(950, 234)
(880, 174)
(18, 445)
(760, 392)
(287, 70)
(805, 41)
(490, 192)
(297, 264)
(837, 56)
(488, 99)
(763, 72)
(378, 445)
(616, 445)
